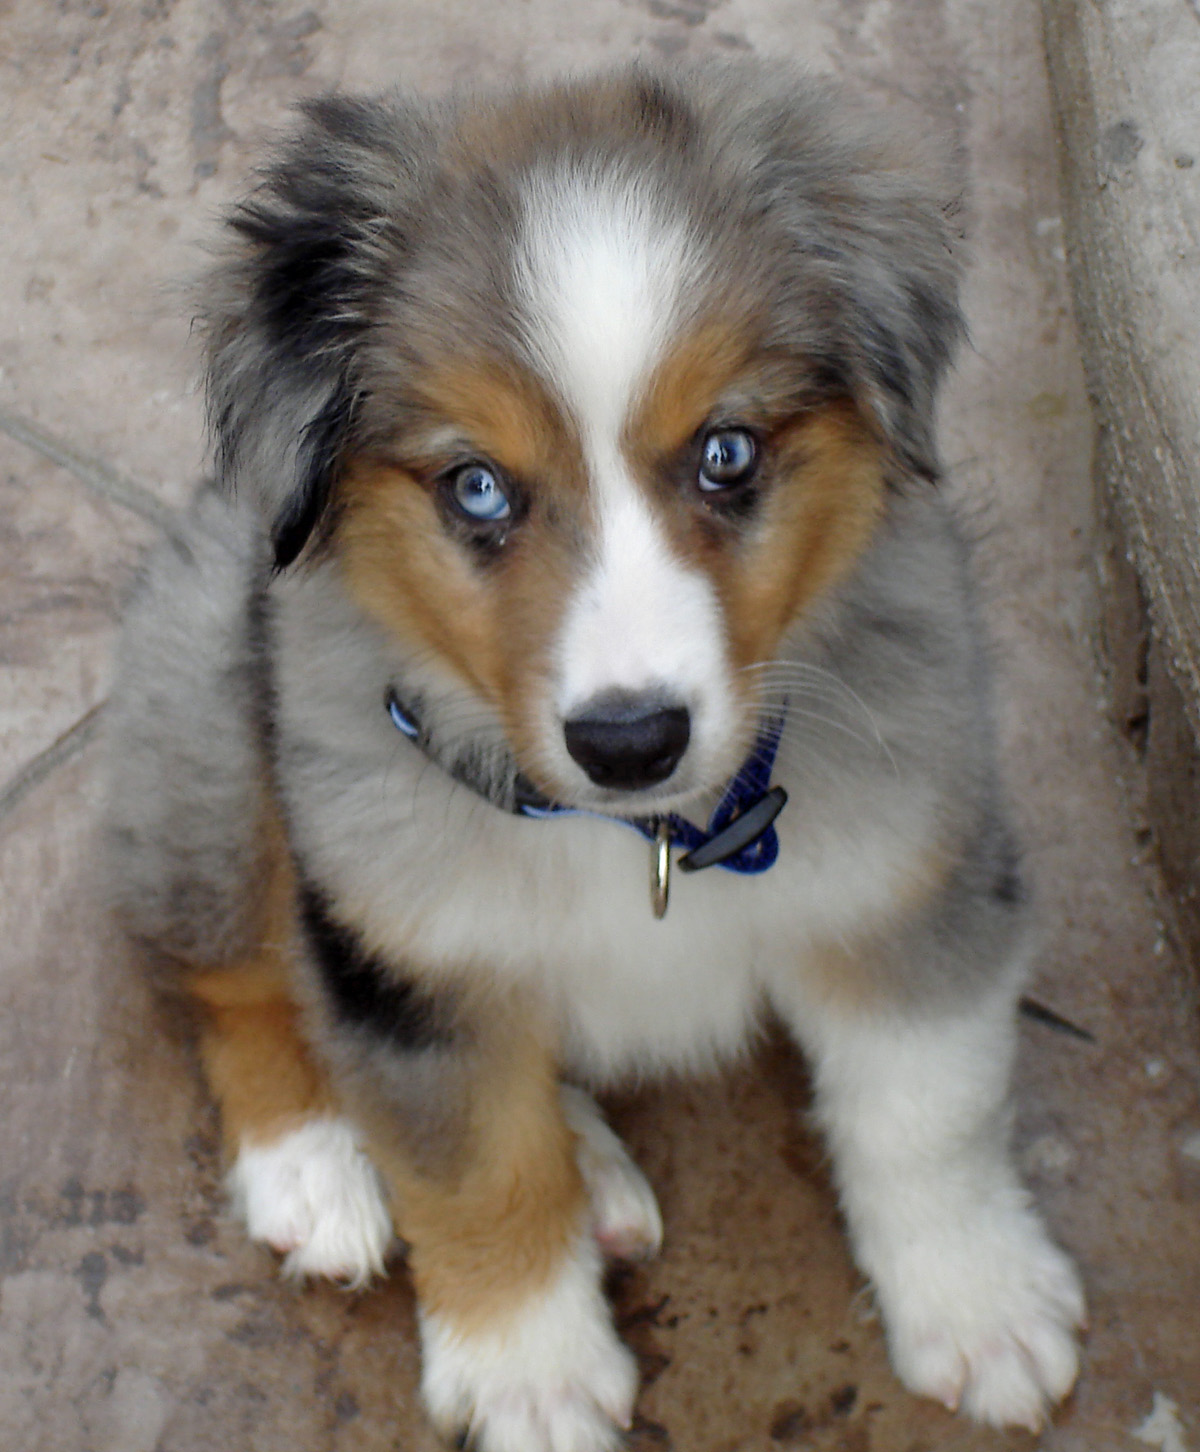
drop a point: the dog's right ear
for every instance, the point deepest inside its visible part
(285, 312)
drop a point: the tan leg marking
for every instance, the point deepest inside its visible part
(256, 1059)
(495, 1226)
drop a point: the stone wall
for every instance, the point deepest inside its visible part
(1125, 78)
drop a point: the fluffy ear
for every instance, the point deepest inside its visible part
(286, 311)
(902, 324)
(876, 288)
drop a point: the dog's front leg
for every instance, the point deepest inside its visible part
(468, 1130)
(978, 1304)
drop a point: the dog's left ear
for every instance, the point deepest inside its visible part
(285, 312)
(873, 251)
(897, 286)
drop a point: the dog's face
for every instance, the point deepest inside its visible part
(608, 517)
(609, 393)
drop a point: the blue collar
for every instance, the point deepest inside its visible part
(740, 836)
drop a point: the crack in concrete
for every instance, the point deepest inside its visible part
(98, 476)
(58, 753)
(114, 488)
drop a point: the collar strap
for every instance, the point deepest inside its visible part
(740, 836)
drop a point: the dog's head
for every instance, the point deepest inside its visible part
(590, 395)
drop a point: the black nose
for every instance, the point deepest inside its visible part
(628, 742)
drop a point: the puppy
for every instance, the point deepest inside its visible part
(575, 504)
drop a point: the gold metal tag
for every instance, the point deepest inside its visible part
(660, 870)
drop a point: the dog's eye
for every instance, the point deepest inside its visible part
(478, 493)
(728, 457)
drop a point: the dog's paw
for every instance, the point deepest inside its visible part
(626, 1220)
(552, 1377)
(984, 1319)
(314, 1196)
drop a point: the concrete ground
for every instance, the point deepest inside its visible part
(133, 1315)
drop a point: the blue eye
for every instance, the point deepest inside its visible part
(728, 457)
(477, 492)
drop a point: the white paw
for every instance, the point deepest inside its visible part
(626, 1220)
(553, 1377)
(982, 1318)
(314, 1196)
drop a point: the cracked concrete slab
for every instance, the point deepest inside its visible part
(132, 1313)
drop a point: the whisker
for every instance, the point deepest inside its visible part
(834, 724)
(803, 677)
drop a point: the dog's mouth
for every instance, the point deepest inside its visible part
(669, 790)
(639, 805)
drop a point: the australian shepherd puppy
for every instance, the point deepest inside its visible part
(576, 524)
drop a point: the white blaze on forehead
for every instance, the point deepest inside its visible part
(605, 273)
(602, 270)
(640, 621)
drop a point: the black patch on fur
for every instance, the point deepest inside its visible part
(294, 304)
(661, 112)
(352, 120)
(317, 470)
(303, 276)
(363, 988)
(1008, 887)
